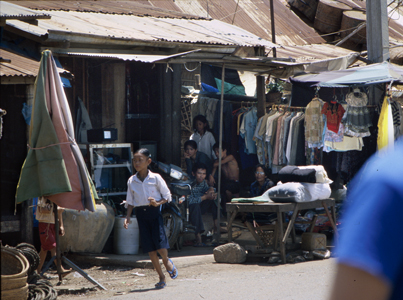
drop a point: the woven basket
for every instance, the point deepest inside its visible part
(14, 268)
(13, 263)
(20, 293)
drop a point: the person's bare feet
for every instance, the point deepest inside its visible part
(66, 272)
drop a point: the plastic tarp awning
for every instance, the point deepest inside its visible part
(371, 74)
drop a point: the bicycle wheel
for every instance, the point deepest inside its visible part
(173, 226)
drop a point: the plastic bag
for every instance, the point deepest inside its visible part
(44, 211)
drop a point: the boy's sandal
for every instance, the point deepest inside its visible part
(160, 285)
(174, 273)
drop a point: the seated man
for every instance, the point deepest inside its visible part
(200, 201)
(230, 171)
(192, 156)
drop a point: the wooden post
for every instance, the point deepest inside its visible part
(176, 114)
(119, 97)
(273, 30)
(261, 96)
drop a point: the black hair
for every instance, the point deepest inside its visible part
(144, 151)
(265, 170)
(190, 143)
(202, 119)
(223, 146)
(197, 166)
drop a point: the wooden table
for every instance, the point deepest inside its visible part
(234, 208)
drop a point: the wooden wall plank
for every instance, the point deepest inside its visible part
(119, 99)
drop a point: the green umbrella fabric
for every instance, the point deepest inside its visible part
(54, 166)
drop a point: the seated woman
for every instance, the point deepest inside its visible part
(262, 183)
(257, 188)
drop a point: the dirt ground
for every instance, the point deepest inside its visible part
(252, 280)
(121, 280)
(118, 280)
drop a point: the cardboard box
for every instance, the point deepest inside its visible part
(313, 241)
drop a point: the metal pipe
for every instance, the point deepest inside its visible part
(220, 153)
(57, 229)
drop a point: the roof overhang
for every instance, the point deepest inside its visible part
(19, 69)
(146, 58)
(260, 65)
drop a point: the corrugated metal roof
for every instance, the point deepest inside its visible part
(137, 8)
(311, 53)
(13, 11)
(251, 15)
(67, 25)
(19, 65)
(130, 57)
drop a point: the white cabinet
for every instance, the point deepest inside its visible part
(110, 166)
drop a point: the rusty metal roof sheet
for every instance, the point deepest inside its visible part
(14, 64)
(71, 24)
(19, 65)
(253, 16)
(168, 9)
(311, 53)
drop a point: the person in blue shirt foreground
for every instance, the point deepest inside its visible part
(370, 250)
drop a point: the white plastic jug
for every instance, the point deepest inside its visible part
(126, 241)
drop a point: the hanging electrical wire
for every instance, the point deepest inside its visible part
(184, 64)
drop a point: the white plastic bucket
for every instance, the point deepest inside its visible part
(126, 241)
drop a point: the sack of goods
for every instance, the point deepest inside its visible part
(301, 184)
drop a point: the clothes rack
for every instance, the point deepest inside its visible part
(287, 107)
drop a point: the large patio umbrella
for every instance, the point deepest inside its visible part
(384, 72)
(54, 166)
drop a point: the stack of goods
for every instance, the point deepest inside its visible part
(301, 184)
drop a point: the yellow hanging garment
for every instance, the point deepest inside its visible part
(385, 125)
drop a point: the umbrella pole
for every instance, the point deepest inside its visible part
(57, 229)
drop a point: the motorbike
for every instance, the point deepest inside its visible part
(175, 214)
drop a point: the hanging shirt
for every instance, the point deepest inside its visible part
(291, 137)
(314, 123)
(277, 141)
(287, 121)
(248, 129)
(334, 114)
(259, 144)
(153, 186)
